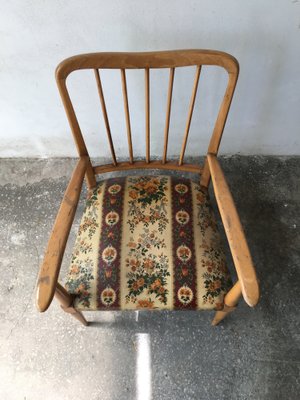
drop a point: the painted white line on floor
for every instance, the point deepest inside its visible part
(143, 367)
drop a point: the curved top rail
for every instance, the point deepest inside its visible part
(153, 59)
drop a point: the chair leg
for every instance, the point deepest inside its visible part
(205, 175)
(230, 301)
(66, 303)
(76, 314)
(90, 176)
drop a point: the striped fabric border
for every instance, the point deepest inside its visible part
(183, 245)
(110, 245)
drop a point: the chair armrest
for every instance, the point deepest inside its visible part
(235, 233)
(49, 270)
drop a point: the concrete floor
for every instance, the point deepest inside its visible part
(253, 354)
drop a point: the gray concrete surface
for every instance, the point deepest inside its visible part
(253, 354)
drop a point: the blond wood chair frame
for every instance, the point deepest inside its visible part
(246, 285)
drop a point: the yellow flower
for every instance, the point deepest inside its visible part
(133, 194)
(148, 264)
(150, 188)
(74, 269)
(141, 282)
(132, 245)
(146, 303)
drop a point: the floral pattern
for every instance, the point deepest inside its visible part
(181, 188)
(216, 278)
(182, 217)
(110, 244)
(112, 218)
(185, 295)
(79, 283)
(81, 272)
(88, 225)
(148, 242)
(147, 202)
(108, 296)
(114, 189)
(147, 271)
(184, 256)
(183, 253)
(109, 254)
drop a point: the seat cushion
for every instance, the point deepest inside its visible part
(148, 242)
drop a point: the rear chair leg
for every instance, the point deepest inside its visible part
(230, 301)
(90, 176)
(205, 175)
(66, 303)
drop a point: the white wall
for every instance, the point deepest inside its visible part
(35, 35)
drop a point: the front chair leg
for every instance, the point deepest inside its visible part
(230, 301)
(66, 303)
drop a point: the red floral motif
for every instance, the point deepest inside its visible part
(108, 296)
(183, 243)
(109, 254)
(112, 218)
(110, 244)
(108, 272)
(181, 188)
(144, 303)
(185, 295)
(182, 217)
(184, 253)
(114, 189)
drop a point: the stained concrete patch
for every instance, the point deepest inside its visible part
(254, 354)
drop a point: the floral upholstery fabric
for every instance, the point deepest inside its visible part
(148, 242)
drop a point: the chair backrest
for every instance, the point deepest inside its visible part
(148, 61)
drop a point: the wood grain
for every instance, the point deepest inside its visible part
(190, 114)
(169, 165)
(235, 234)
(147, 113)
(105, 116)
(127, 115)
(66, 303)
(247, 282)
(76, 131)
(216, 137)
(50, 267)
(168, 114)
(152, 59)
(230, 301)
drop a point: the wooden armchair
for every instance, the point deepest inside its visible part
(148, 242)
